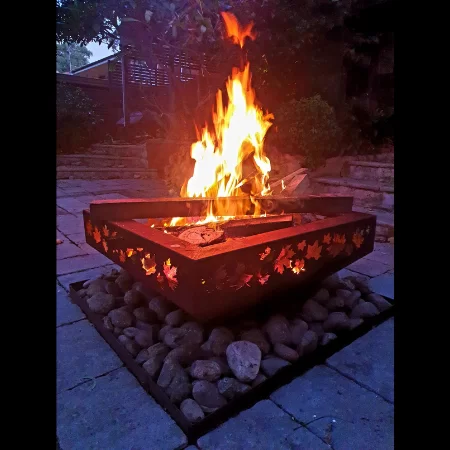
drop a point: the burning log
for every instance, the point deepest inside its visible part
(127, 209)
(202, 236)
(248, 227)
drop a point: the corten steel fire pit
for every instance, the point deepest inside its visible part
(227, 278)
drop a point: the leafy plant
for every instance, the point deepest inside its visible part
(76, 119)
(307, 127)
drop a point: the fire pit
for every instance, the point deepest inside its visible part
(228, 277)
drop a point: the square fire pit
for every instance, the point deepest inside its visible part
(227, 278)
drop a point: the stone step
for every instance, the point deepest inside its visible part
(368, 193)
(89, 160)
(136, 151)
(103, 173)
(368, 170)
(385, 221)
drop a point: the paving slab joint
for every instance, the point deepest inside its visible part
(364, 386)
(90, 379)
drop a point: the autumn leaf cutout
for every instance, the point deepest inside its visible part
(105, 246)
(262, 279)
(97, 235)
(89, 228)
(284, 259)
(264, 254)
(327, 239)
(314, 251)
(122, 256)
(357, 239)
(298, 266)
(301, 245)
(171, 274)
(105, 231)
(149, 264)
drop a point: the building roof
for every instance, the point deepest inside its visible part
(96, 63)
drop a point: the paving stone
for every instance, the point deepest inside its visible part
(66, 311)
(88, 249)
(77, 238)
(115, 414)
(66, 280)
(304, 439)
(191, 447)
(81, 353)
(370, 360)
(383, 253)
(60, 235)
(76, 191)
(67, 184)
(60, 192)
(347, 273)
(383, 285)
(68, 250)
(61, 212)
(368, 267)
(71, 204)
(70, 224)
(78, 263)
(262, 427)
(362, 419)
(89, 198)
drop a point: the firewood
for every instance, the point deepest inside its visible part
(202, 236)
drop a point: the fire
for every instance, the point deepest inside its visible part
(239, 131)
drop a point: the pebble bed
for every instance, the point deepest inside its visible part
(201, 368)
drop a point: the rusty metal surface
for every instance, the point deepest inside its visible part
(247, 400)
(238, 273)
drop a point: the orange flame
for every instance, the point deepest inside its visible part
(235, 31)
(238, 135)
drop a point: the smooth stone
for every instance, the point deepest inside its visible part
(244, 359)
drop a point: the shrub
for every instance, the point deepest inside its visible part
(307, 127)
(76, 119)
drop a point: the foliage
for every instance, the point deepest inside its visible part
(308, 127)
(71, 56)
(76, 119)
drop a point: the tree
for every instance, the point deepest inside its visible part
(71, 56)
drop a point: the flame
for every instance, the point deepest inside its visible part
(235, 31)
(239, 129)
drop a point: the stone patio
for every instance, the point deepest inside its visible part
(345, 404)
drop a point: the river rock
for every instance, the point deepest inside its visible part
(317, 327)
(308, 344)
(218, 341)
(117, 331)
(206, 394)
(231, 388)
(334, 282)
(277, 328)
(285, 352)
(113, 289)
(101, 303)
(224, 367)
(361, 283)
(205, 370)
(108, 324)
(151, 328)
(321, 296)
(142, 356)
(186, 354)
(380, 302)
(271, 366)
(133, 298)
(96, 286)
(129, 344)
(327, 338)
(244, 359)
(124, 281)
(175, 318)
(156, 354)
(144, 338)
(313, 311)
(161, 307)
(353, 323)
(364, 311)
(121, 318)
(350, 297)
(259, 379)
(298, 329)
(191, 409)
(175, 381)
(335, 303)
(145, 315)
(131, 332)
(337, 321)
(256, 336)
(182, 336)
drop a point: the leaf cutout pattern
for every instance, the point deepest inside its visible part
(327, 239)
(105, 231)
(314, 251)
(243, 281)
(105, 246)
(97, 235)
(89, 228)
(262, 279)
(284, 259)
(299, 266)
(357, 239)
(171, 274)
(149, 264)
(265, 253)
(301, 245)
(122, 256)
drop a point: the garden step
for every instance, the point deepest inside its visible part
(137, 151)
(367, 193)
(103, 173)
(371, 170)
(89, 160)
